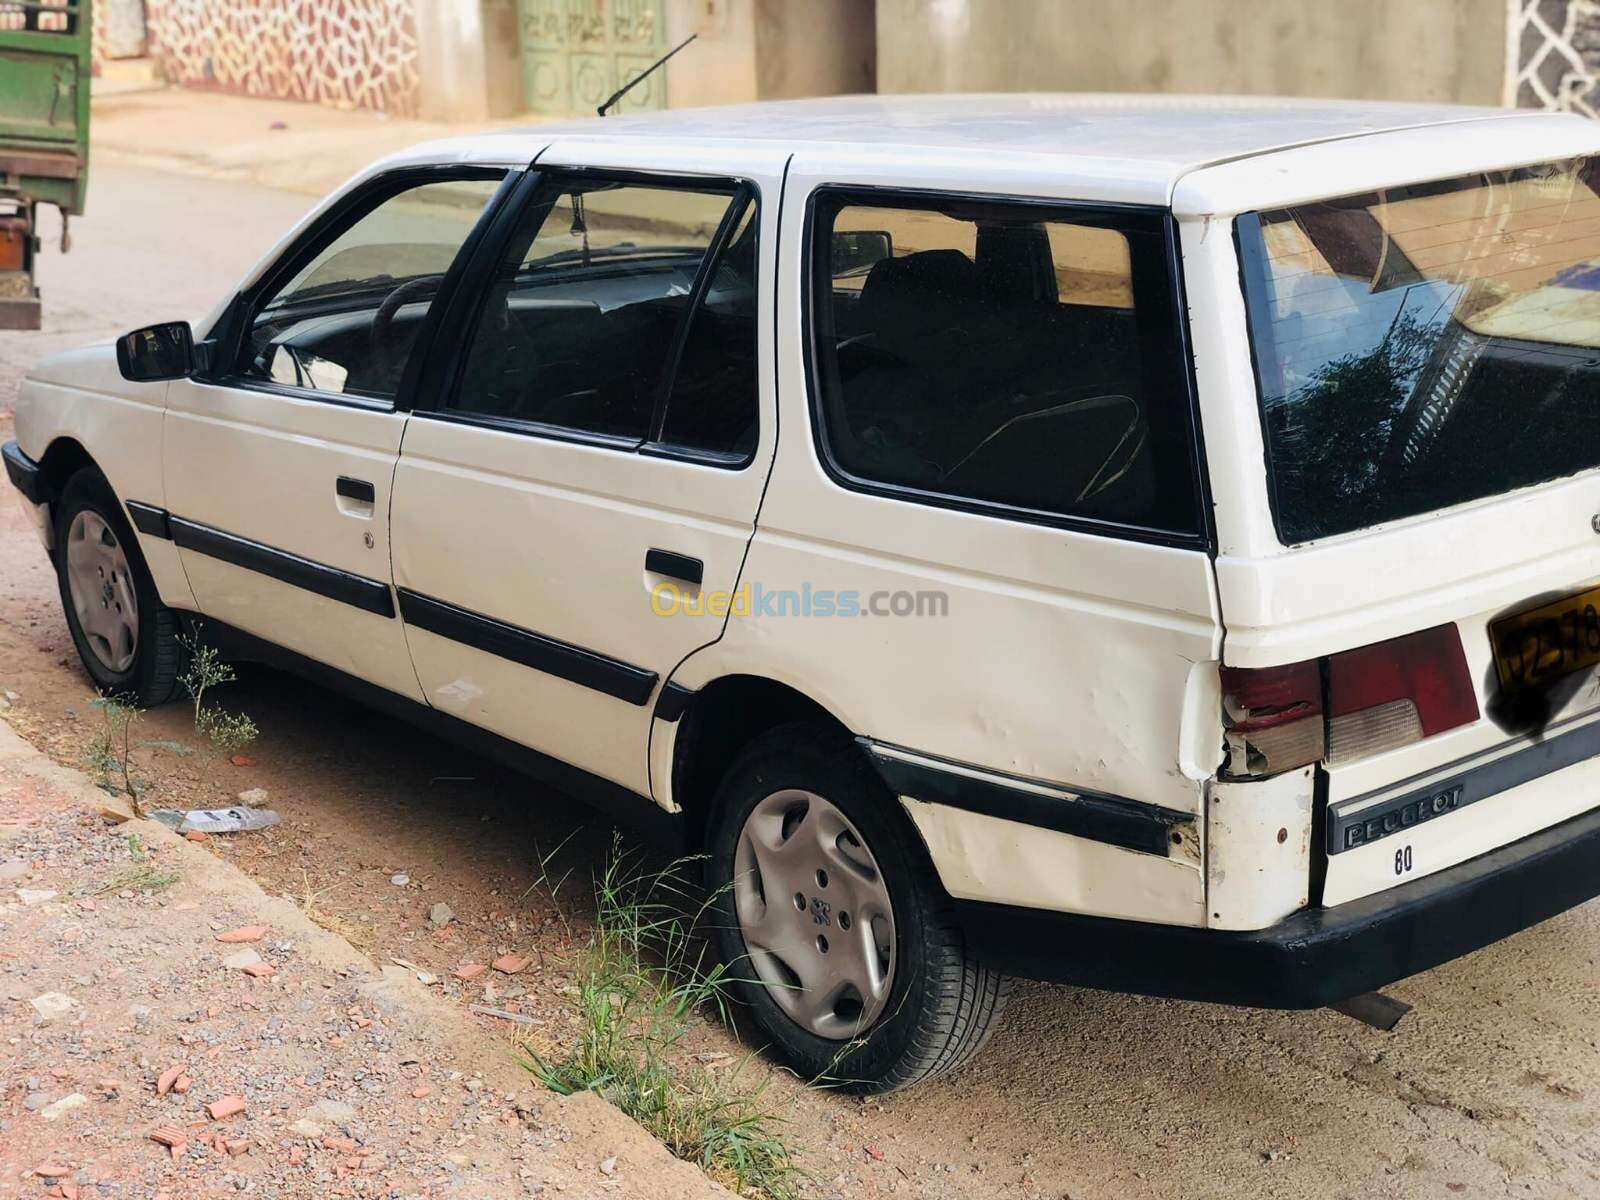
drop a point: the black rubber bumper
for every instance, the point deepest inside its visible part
(1318, 956)
(22, 471)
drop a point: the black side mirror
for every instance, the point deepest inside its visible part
(858, 249)
(157, 352)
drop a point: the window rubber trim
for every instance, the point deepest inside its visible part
(1084, 212)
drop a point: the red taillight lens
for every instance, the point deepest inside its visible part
(1379, 697)
(1274, 717)
(1397, 692)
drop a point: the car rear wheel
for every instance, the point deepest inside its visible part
(835, 931)
(127, 639)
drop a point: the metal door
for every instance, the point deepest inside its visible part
(575, 53)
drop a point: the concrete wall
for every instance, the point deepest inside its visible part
(768, 50)
(1440, 50)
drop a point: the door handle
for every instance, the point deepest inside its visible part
(355, 489)
(677, 566)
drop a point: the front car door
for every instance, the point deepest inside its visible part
(278, 466)
(572, 511)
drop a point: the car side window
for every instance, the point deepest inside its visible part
(1000, 355)
(591, 323)
(347, 320)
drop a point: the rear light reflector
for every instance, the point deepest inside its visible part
(1379, 697)
(1397, 692)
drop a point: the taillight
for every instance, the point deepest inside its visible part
(1379, 697)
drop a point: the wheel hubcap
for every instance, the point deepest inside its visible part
(815, 914)
(101, 588)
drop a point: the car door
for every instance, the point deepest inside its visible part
(572, 507)
(278, 466)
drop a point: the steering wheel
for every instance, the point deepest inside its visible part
(406, 293)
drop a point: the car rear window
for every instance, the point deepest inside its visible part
(1425, 346)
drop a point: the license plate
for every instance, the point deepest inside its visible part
(1536, 647)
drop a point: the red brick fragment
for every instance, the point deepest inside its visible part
(469, 970)
(421, 1093)
(259, 970)
(196, 835)
(168, 1077)
(238, 1146)
(510, 964)
(343, 1145)
(228, 1106)
(51, 1170)
(296, 1156)
(245, 933)
(168, 1135)
(182, 1084)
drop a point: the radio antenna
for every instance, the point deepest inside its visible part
(643, 75)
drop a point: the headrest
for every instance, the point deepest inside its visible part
(906, 300)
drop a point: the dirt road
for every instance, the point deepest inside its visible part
(1488, 1088)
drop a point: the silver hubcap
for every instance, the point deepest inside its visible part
(102, 592)
(815, 914)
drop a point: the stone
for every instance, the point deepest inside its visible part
(306, 1128)
(52, 1006)
(54, 1112)
(400, 880)
(242, 959)
(334, 1112)
(440, 915)
(254, 797)
(33, 896)
(15, 869)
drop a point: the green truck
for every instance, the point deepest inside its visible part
(44, 137)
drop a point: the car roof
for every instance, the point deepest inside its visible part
(1147, 142)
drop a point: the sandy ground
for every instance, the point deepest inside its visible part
(1487, 1089)
(172, 1031)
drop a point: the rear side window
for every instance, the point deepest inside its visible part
(1012, 357)
(625, 310)
(1427, 345)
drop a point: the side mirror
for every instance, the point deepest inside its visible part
(157, 352)
(858, 249)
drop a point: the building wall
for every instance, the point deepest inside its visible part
(1435, 50)
(356, 53)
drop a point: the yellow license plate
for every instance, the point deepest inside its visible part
(1541, 645)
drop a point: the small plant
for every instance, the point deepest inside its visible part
(142, 875)
(227, 732)
(640, 985)
(110, 752)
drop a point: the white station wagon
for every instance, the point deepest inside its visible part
(1145, 544)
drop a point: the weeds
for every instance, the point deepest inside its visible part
(639, 987)
(228, 732)
(357, 935)
(110, 751)
(142, 875)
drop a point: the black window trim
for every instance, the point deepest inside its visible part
(230, 331)
(440, 375)
(1110, 213)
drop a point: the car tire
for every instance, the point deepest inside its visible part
(920, 1003)
(100, 570)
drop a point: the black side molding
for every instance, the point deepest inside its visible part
(355, 489)
(149, 519)
(367, 594)
(23, 473)
(572, 663)
(673, 701)
(626, 806)
(677, 566)
(1110, 819)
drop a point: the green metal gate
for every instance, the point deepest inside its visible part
(575, 53)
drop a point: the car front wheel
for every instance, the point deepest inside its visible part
(127, 639)
(836, 932)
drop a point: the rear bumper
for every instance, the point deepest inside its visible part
(1318, 956)
(23, 472)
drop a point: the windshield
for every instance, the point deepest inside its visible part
(1427, 345)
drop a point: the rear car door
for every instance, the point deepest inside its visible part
(278, 467)
(582, 486)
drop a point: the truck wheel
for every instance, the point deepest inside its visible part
(835, 932)
(127, 639)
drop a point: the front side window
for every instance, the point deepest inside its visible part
(1012, 355)
(1426, 345)
(604, 317)
(347, 320)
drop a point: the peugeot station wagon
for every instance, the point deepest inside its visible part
(1151, 544)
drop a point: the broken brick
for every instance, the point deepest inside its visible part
(182, 1084)
(245, 933)
(510, 964)
(237, 1146)
(228, 1106)
(259, 970)
(241, 760)
(469, 970)
(169, 1135)
(196, 835)
(343, 1145)
(296, 1156)
(421, 1093)
(51, 1170)
(168, 1077)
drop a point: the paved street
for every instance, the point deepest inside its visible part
(1488, 1088)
